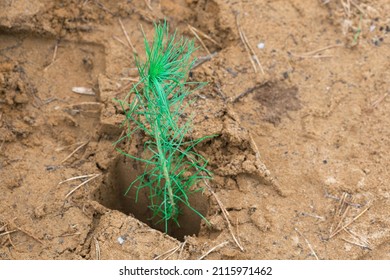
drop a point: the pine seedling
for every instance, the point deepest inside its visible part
(173, 168)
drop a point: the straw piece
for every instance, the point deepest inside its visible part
(82, 184)
(213, 249)
(127, 36)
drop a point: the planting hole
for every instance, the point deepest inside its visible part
(111, 194)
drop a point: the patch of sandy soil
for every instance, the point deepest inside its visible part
(298, 94)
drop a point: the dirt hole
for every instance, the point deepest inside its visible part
(122, 172)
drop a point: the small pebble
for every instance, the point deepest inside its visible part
(261, 45)
(330, 181)
(121, 240)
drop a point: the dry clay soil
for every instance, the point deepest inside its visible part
(301, 156)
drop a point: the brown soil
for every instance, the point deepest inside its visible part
(300, 160)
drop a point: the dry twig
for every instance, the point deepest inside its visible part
(168, 253)
(148, 4)
(70, 234)
(312, 54)
(127, 37)
(130, 79)
(358, 240)
(220, 92)
(357, 7)
(223, 210)
(82, 184)
(213, 249)
(77, 177)
(200, 60)
(226, 216)
(2, 144)
(245, 93)
(29, 234)
(349, 223)
(308, 243)
(75, 151)
(120, 41)
(341, 211)
(7, 232)
(346, 7)
(97, 248)
(182, 249)
(251, 53)
(53, 58)
(101, 6)
(355, 205)
(199, 39)
(379, 100)
(313, 216)
(204, 35)
(68, 146)
(83, 91)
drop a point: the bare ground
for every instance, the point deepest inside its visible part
(300, 164)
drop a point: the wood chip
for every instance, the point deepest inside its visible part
(83, 91)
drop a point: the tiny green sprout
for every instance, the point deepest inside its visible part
(173, 168)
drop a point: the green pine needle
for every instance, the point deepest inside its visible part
(173, 169)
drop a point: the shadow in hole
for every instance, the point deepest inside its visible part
(125, 170)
